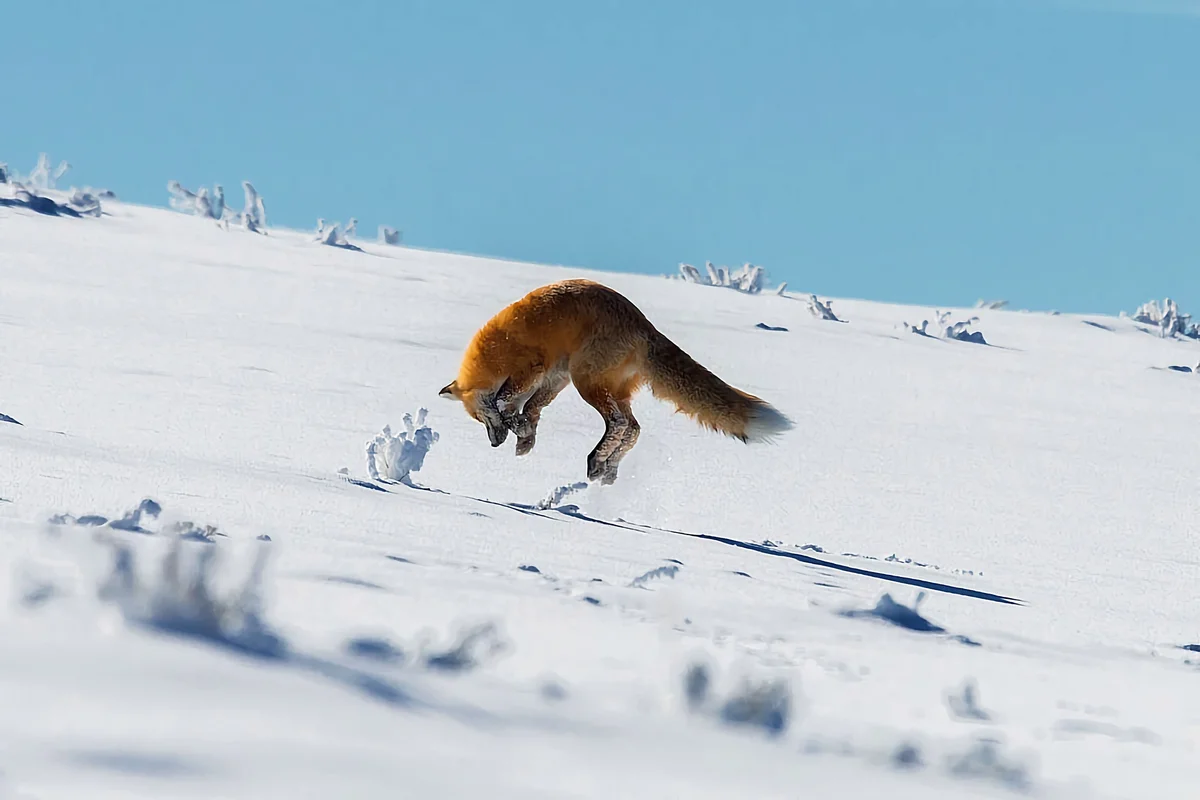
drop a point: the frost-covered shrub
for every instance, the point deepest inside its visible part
(38, 191)
(179, 595)
(958, 330)
(948, 330)
(85, 202)
(253, 217)
(333, 235)
(1169, 320)
(749, 278)
(181, 199)
(393, 458)
(986, 760)
(762, 703)
(822, 310)
(475, 646)
(665, 571)
(992, 305)
(44, 178)
(964, 703)
(388, 235)
(329, 234)
(189, 202)
(560, 493)
(20, 197)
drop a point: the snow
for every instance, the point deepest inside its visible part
(968, 571)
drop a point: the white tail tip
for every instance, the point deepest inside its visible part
(766, 423)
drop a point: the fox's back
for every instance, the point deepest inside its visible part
(565, 317)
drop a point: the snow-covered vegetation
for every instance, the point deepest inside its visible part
(991, 305)
(334, 235)
(394, 458)
(1168, 319)
(38, 191)
(950, 581)
(252, 217)
(822, 309)
(748, 278)
(943, 327)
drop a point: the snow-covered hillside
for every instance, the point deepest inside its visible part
(723, 621)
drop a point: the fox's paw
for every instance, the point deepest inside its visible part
(525, 444)
(520, 424)
(595, 468)
(603, 471)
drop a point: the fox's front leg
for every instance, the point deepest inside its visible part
(527, 421)
(513, 396)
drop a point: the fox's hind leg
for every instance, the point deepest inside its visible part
(601, 399)
(527, 420)
(621, 429)
(629, 438)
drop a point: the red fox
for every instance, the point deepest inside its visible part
(582, 332)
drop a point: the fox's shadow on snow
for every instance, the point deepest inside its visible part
(573, 512)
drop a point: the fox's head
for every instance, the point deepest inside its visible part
(482, 408)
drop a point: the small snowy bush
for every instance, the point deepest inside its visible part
(85, 202)
(560, 493)
(822, 310)
(180, 596)
(334, 236)
(393, 458)
(758, 703)
(948, 330)
(748, 278)
(388, 235)
(38, 191)
(253, 217)
(1169, 320)
(43, 178)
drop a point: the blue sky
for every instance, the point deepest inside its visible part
(923, 151)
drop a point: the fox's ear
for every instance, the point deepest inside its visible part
(449, 391)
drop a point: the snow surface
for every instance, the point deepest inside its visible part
(970, 571)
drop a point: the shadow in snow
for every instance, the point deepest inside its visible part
(131, 762)
(573, 512)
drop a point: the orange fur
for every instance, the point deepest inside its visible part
(585, 333)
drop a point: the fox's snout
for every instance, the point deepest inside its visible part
(496, 435)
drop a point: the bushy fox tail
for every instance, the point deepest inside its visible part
(675, 376)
